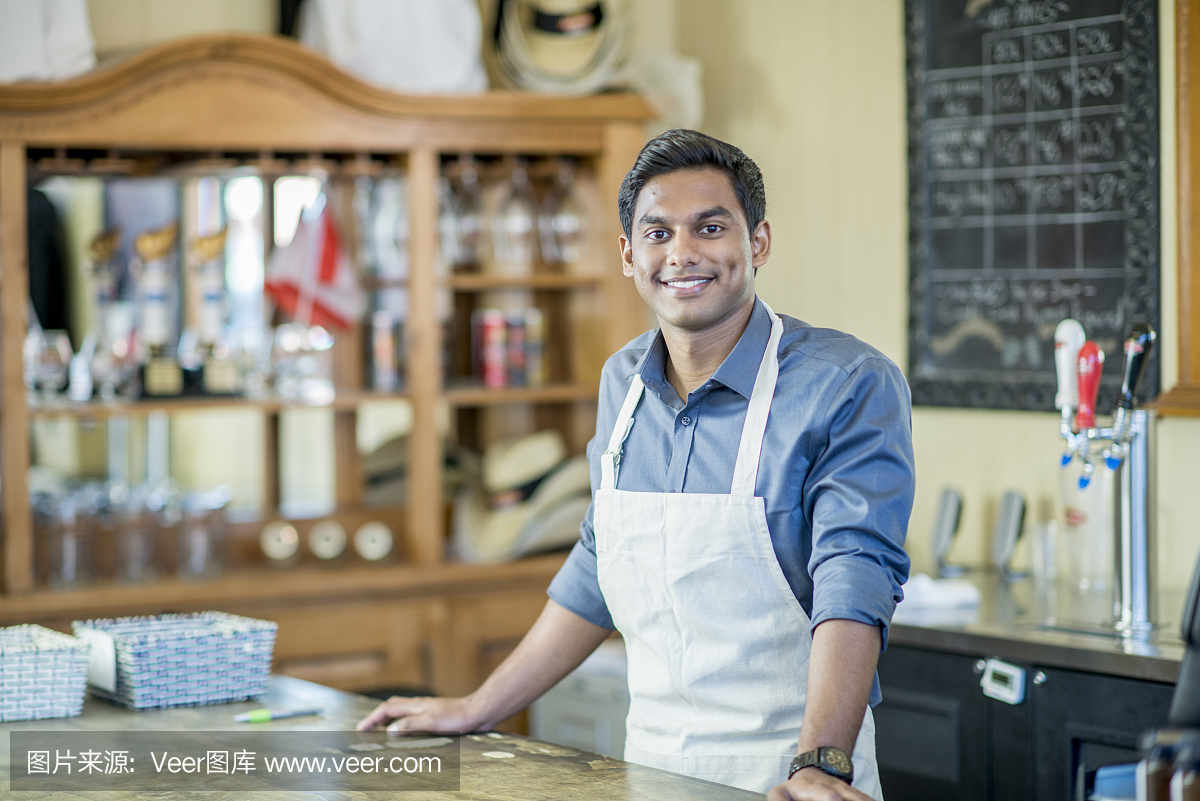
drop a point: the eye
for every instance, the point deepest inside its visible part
(656, 234)
(711, 228)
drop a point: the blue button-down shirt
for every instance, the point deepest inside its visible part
(836, 470)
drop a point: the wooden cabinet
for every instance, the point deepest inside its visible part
(938, 736)
(423, 621)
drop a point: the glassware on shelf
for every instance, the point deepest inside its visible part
(301, 361)
(466, 196)
(65, 525)
(562, 222)
(114, 364)
(448, 224)
(136, 535)
(251, 350)
(514, 234)
(47, 361)
(201, 535)
(459, 215)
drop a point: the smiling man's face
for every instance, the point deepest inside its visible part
(690, 254)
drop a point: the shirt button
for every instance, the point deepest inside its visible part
(687, 421)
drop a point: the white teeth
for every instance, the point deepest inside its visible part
(687, 284)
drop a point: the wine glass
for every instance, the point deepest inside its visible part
(562, 223)
(51, 353)
(513, 233)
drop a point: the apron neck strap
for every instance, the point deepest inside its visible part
(745, 471)
(610, 460)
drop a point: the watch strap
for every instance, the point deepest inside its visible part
(828, 759)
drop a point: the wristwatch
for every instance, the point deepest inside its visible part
(829, 759)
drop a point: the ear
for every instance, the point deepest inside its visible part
(760, 244)
(626, 257)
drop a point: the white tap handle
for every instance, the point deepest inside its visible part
(1068, 339)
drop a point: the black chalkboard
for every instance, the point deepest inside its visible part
(1033, 192)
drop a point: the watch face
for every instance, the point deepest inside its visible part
(836, 759)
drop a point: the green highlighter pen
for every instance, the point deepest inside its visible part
(266, 715)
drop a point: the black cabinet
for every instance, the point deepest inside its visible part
(939, 737)
(929, 727)
(1090, 720)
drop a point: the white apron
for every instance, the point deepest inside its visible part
(718, 645)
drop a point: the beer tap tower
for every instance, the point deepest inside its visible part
(1128, 450)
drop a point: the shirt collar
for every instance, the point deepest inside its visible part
(738, 371)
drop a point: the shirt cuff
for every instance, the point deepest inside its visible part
(576, 588)
(850, 588)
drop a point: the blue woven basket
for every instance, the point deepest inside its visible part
(43, 673)
(186, 660)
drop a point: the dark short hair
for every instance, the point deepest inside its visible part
(682, 149)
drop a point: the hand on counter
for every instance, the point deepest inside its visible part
(424, 714)
(813, 784)
(556, 644)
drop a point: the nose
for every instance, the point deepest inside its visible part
(684, 250)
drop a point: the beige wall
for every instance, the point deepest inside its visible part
(814, 91)
(119, 25)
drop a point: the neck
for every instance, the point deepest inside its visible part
(693, 356)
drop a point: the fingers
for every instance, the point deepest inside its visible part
(412, 723)
(392, 708)
(811, 785)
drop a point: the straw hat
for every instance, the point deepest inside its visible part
(530, 498)
(561, 46)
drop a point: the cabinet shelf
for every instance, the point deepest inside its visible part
(551, 281)
(476, 395)
(250, 585)
(98, 410)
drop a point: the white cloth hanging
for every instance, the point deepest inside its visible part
(45, 40)
(412, 46)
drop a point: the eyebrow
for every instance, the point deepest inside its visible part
(715, 211)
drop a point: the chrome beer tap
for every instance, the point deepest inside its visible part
(1129, 455)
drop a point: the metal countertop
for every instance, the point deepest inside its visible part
(1052, 625)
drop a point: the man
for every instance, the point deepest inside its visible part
(753, 479)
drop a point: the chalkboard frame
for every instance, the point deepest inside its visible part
(1142, 232)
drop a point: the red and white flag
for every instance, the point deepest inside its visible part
(311, 278)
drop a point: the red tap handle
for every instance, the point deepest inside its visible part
(1091, 363)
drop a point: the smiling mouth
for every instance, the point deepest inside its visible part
(683, 284)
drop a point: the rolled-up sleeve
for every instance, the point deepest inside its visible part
(860, 494)
(577, 585)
